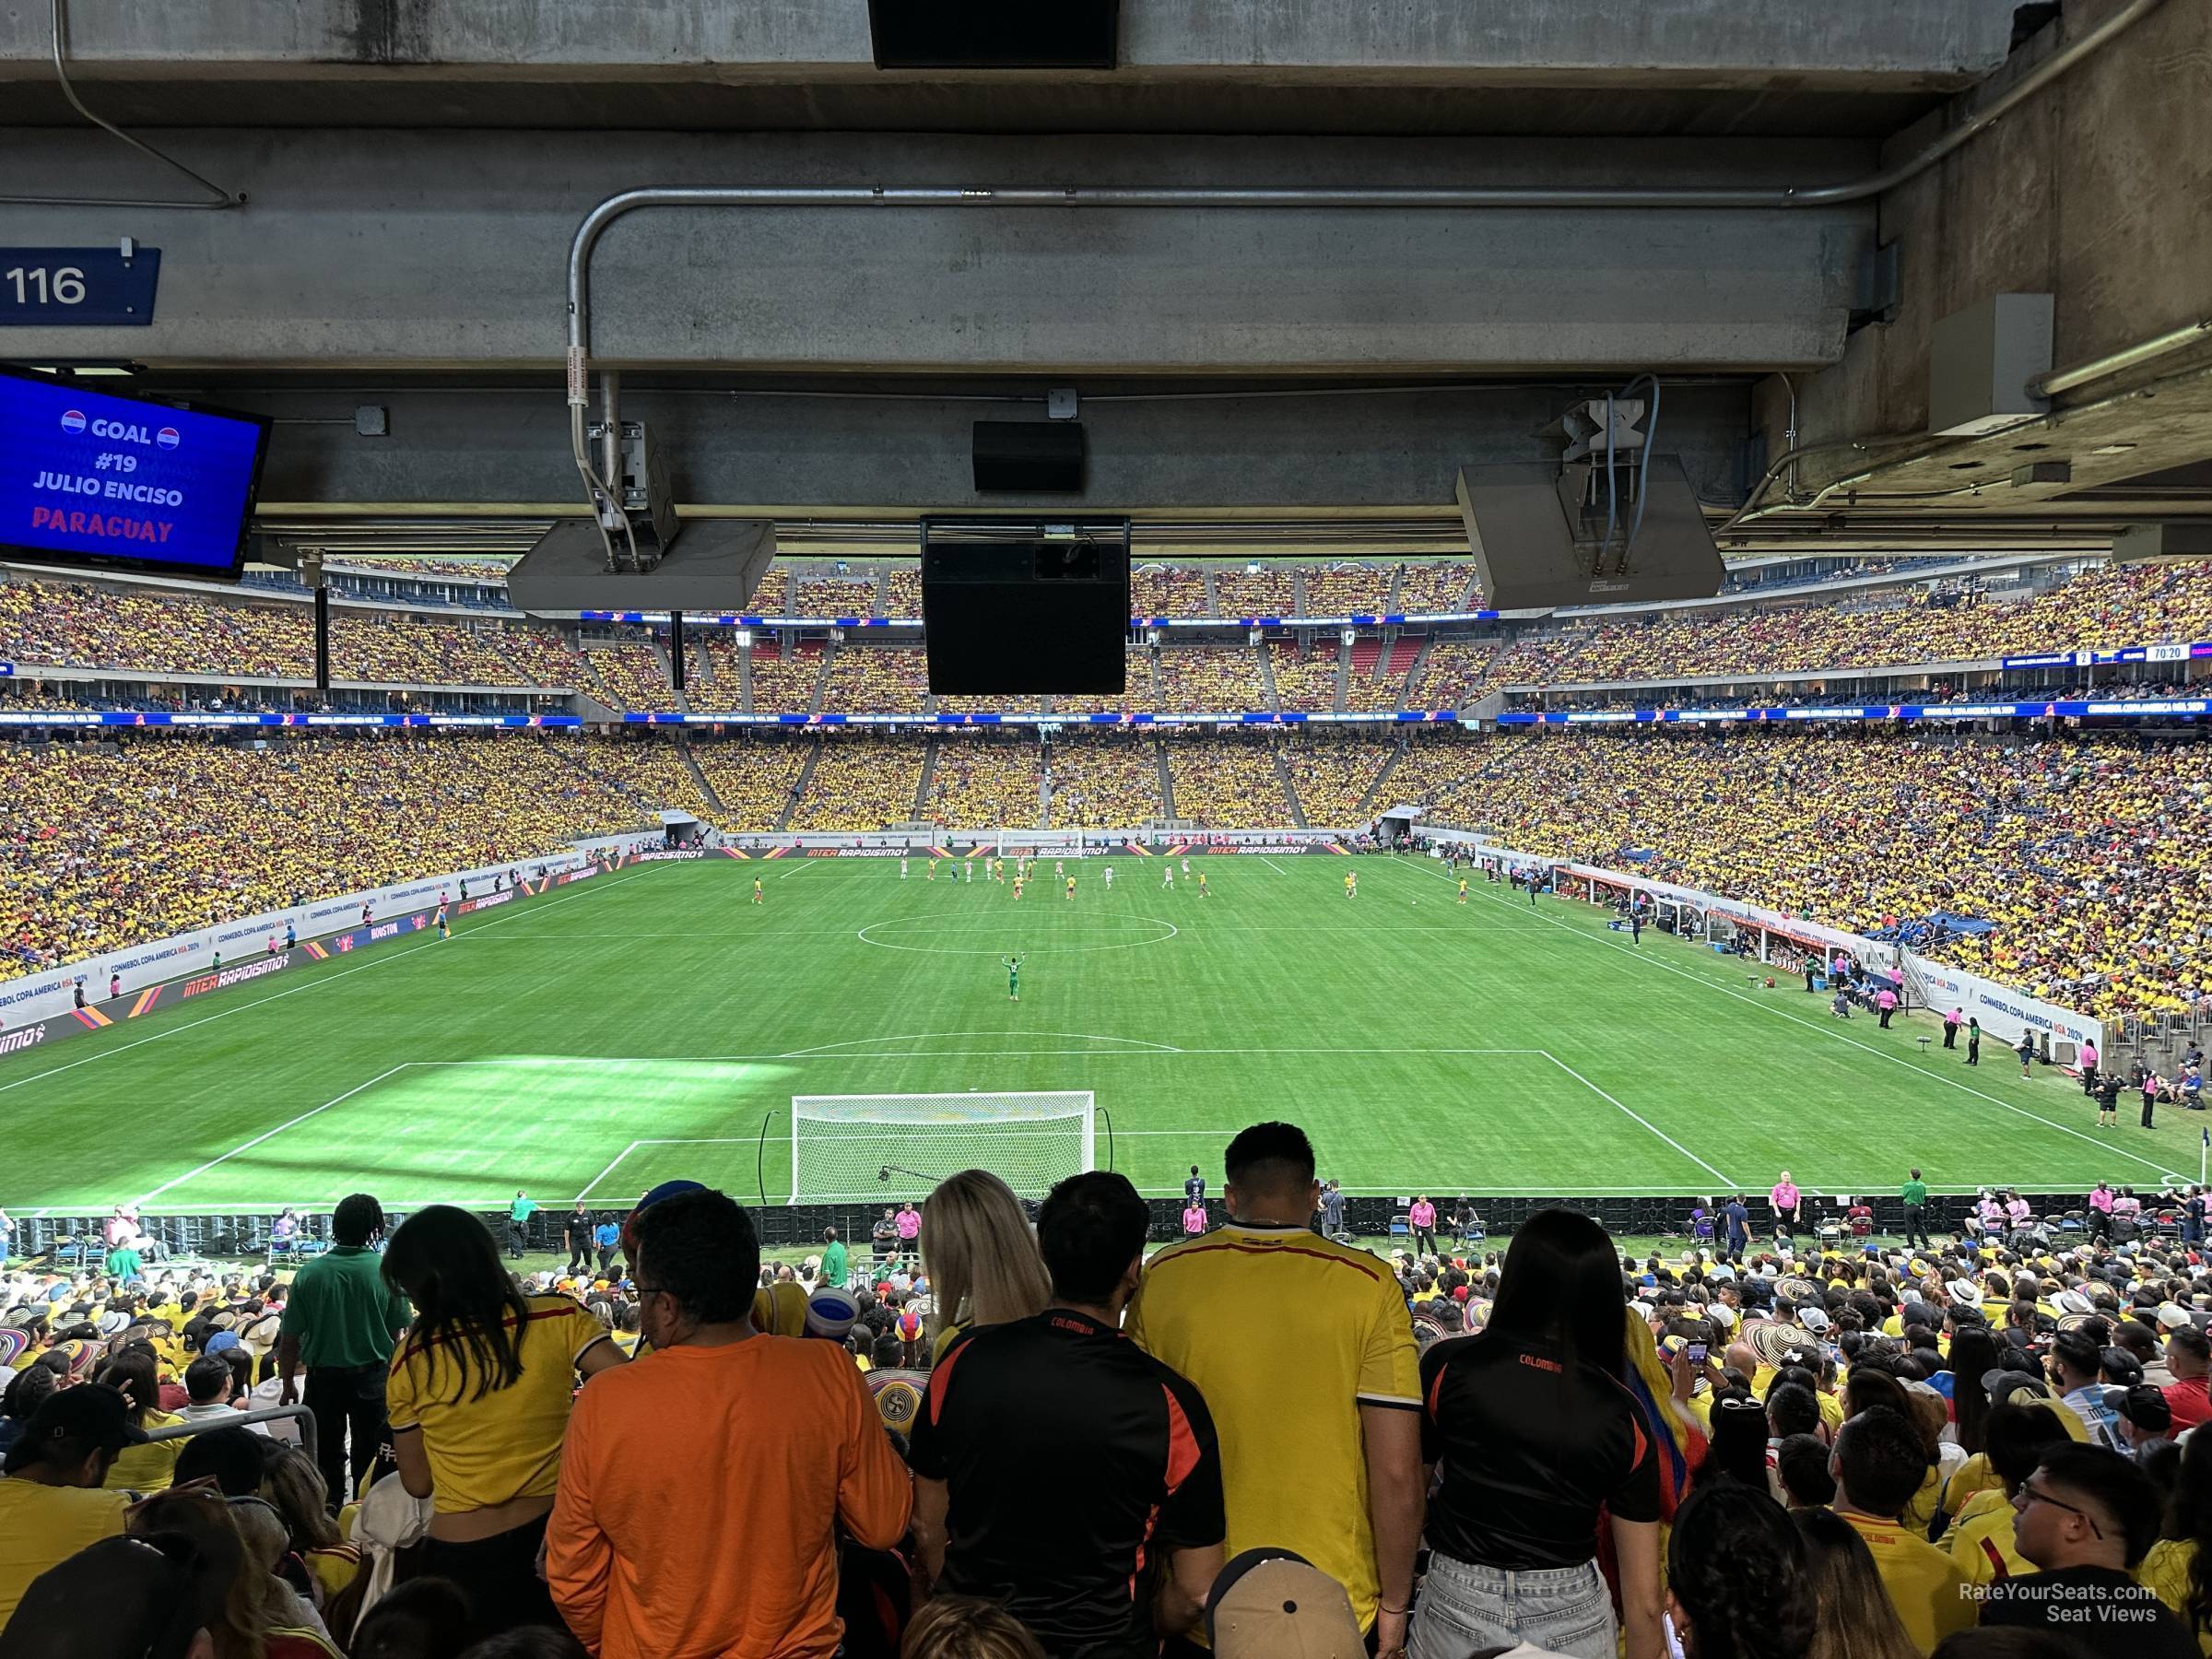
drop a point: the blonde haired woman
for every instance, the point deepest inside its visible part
(981, 1255)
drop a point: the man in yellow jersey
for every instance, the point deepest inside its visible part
(1462, 889)
(1304, 1353)
(1878, 1466)
(1351, 885)
(758, 898)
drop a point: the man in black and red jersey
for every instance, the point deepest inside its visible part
(1065, 1392)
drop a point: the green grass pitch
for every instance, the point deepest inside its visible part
(641, 1027)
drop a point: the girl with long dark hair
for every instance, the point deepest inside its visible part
(479, 1400)
(1536, 1433)
(1737, 1578)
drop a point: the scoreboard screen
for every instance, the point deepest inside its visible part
(91, 478)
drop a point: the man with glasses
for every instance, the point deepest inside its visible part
(2086, 1518)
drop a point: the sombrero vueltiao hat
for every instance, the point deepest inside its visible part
(898, 1394)
(13, 1341)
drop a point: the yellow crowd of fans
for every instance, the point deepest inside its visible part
(878, 679)
(1226, 782)
(1270, 590)
(984, 782)
(752, 781)
(2103, 606)
(1210, 679)
(1309, 682)
(1346, 590)
(861, 784)
(1453, 675)
(2085, 852)
(172, 833)
(1332, 776)
(835, 596)
(1167, 591)
(1112, 783)
(1443, 585)
(783, 685)
(905, 593)
(628, 677)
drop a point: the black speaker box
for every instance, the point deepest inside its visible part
(995, 34)
(1029, 457)
(1020, 617)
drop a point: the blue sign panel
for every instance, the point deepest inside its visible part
(89, 478)
(78, 288)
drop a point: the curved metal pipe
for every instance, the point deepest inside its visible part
(596, 222)
(222, 198)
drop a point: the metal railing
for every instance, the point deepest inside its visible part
(244, 1419)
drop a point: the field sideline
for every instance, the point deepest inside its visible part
(594, 1041)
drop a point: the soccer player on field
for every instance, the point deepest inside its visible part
(1071, 890)
(759, 897)
(1462, 889)
(1059, 868)
(1202, 884)
(932, 867)
(1014, 976)
(1351, 885)
(445, 929)
(1110, 879)
(1168, 870)
(1018, 888)
(902, 866)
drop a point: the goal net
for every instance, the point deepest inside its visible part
(1040, 843)
(880, 1148)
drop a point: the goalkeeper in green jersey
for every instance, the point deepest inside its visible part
(1014, 976)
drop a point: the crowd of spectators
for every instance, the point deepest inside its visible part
(2080, 851)
(1225, 781)
(1453, 674)
(1442, 587)
(105, 845)
(849, 595)
(1211, 679)
(860, 783)
(2103, 606)
(903, 594)
(79, 625)
(627, 676)
(984, 782)
(878, 679)
(1348, 590)
(1332, 775)
(752, 779)
(1270, 590)
(998, 1431)
(785, 684)
(1307, 682)
(1109, 782)
(1158, 590)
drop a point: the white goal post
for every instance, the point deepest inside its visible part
(1040, 843)
(882, 1149)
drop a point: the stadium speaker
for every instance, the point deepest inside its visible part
(1544, 535)
(1029, 457)
(995, 34)
(1013, 607)
(711, 565)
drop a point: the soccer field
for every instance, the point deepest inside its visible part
(644, 1026)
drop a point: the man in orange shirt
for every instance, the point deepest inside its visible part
(702, 1487)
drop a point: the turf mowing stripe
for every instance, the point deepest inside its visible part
(266, 1134)
(1868, 1048)
(610, 1169)
(279, 996)
(1647, 1123)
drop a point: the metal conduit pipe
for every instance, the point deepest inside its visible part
(596, 222)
